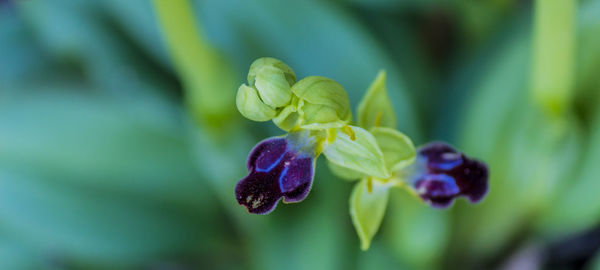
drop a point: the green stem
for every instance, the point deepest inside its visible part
(553, 54)
(206, 77)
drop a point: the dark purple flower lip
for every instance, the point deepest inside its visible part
(441, 174)
(278, 168)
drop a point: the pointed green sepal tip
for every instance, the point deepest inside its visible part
(375, 108)
(367, 207)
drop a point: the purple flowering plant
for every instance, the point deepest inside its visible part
(316, 115)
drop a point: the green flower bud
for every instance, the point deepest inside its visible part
(272, 79)
(323, 103)
(287, 118)
(251, 106)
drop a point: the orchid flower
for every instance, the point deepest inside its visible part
(316, 115)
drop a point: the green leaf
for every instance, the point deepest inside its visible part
(344, 173)
(398, 150)
(375, 109)
(554, 54)
(101, 209)
(416, 234)
(367, 207)
(576, 206)
(206, 75)
(356, 149)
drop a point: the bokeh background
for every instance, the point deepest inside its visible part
(120, 143)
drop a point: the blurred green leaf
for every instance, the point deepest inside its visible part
(576, 207)
(205, 73)
(78, 136)
(98, 181)
(91, 226)
(415, 233)
(15, 256)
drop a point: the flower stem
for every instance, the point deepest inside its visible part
(553, 54)
(207, 79)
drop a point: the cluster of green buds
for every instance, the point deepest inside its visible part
(315, 113)
(272, 93)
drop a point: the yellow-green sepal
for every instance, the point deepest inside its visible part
(398, 149)
(344, 173)
(368, 202)
(375, 108)
(251, 106)
(317, 116)
(356, 149)
(273, 80)
(271, 62)
(323, 101)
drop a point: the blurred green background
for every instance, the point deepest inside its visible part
(120, 143)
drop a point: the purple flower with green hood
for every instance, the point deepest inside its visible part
(280, 167)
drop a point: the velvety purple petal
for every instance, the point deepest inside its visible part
(440, 156)
(474, 180)
(441, 174)
(437, 189)
(258, 193)
(296, 181)
(266, 153)
(277, 168)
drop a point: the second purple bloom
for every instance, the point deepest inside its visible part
(441, 174)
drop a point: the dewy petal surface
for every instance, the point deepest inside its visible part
(441, 174)
(278, 168)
